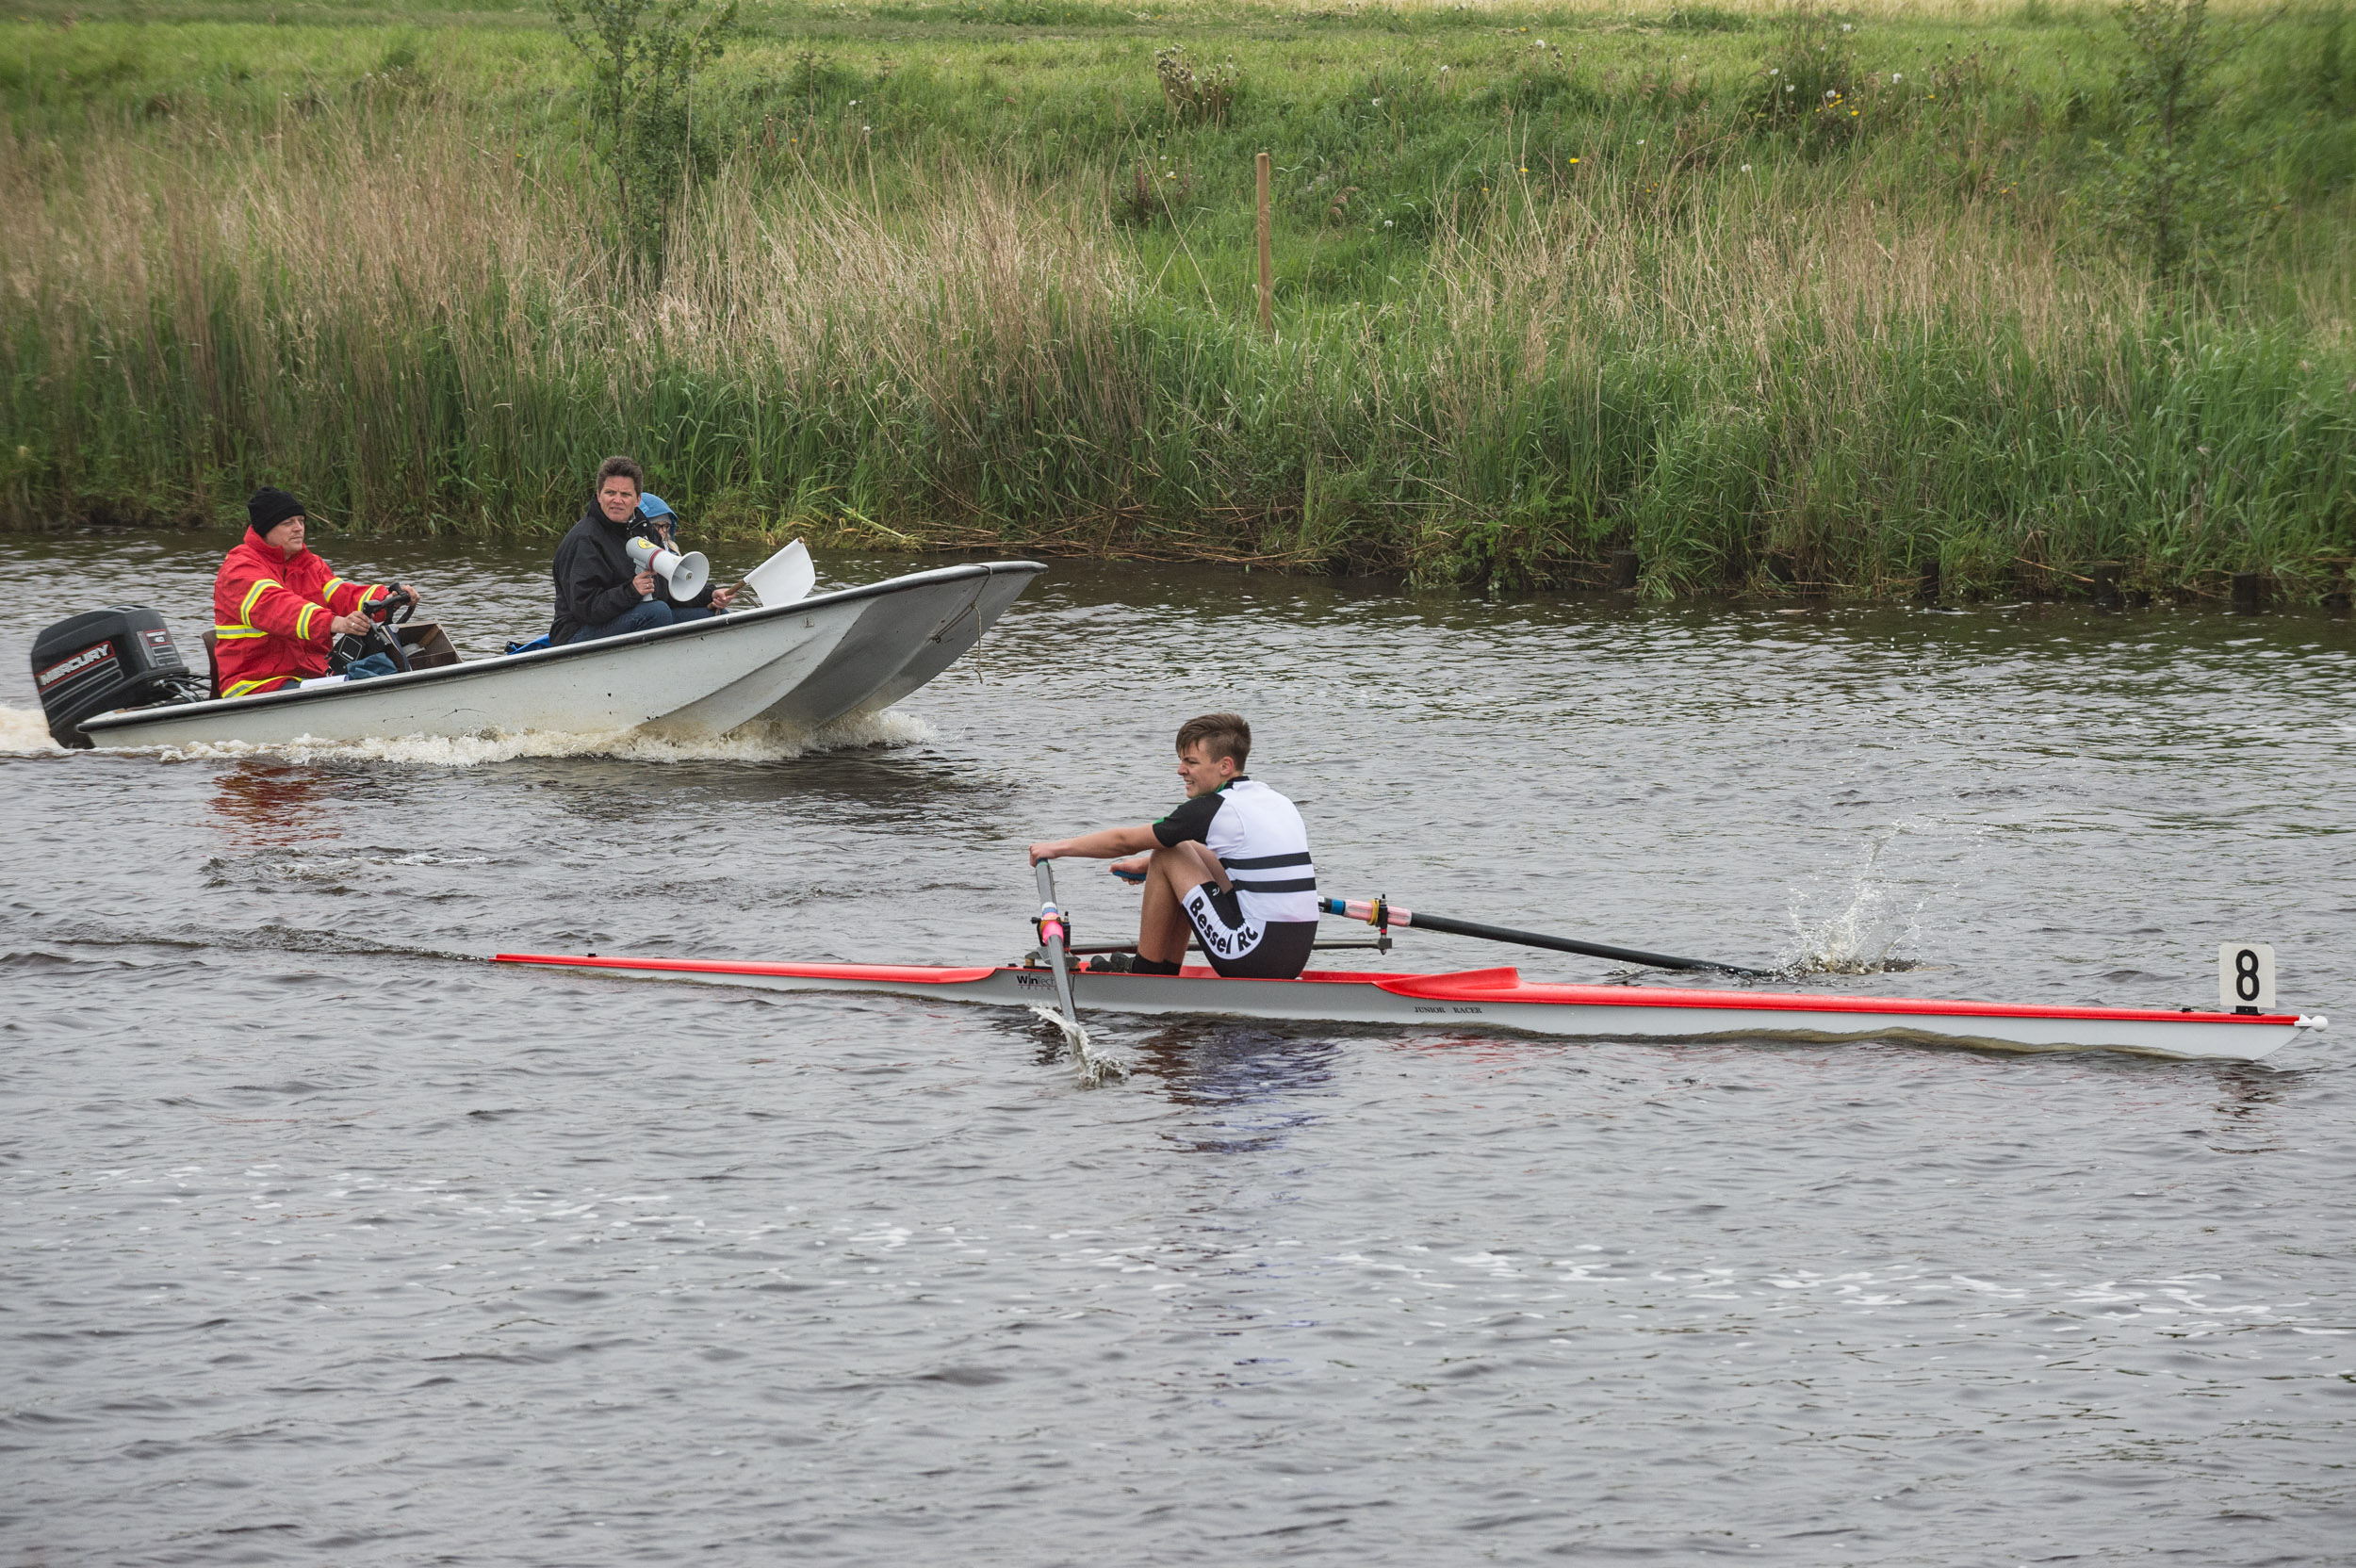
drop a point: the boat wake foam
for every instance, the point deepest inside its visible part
(753, 742)
(25, 732)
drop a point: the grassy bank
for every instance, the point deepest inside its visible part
(1549, 284)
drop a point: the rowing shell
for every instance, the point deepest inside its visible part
(1502, 999)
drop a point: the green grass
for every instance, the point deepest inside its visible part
(954, 275)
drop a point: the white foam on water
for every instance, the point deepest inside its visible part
(25, 732)
(334, 867)
(753, 742)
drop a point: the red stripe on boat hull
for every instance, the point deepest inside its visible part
(1506, 984)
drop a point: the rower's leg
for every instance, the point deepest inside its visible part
(1206, 867)
(1162, 928)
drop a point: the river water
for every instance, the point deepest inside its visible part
(323, 1241)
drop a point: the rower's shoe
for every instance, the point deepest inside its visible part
(1111, 963)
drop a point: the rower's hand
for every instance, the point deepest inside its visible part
(643, 582)
(722, 597)
(354, 624)
(1131, 870)
(1045, 851)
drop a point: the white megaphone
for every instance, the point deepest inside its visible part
(785, 576)
(686, 573)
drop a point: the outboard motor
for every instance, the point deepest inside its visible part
(120, 657)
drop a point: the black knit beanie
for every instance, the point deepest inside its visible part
(269, 508)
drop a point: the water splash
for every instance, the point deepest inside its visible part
(758, 742)
(25, 732)
(1094, 1068)
(1866, 931)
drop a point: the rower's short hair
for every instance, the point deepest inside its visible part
(622, 468)
(1221, 734)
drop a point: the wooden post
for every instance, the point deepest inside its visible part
(2107, 585)
(1624, 565)
(2248, 593)
(1267, 259)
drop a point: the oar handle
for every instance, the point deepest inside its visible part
(1383, 913)
(1050, 914)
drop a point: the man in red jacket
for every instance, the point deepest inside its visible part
(277, 607)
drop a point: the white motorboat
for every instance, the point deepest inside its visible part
(802, 662)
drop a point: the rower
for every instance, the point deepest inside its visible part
(1230, 865)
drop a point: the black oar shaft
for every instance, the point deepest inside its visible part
(1564, 944)
(1417, 919)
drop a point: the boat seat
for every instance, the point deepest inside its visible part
(212, 660)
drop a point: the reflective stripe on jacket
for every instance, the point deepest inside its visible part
(272, 614)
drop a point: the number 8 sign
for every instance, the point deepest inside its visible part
(2245, 978)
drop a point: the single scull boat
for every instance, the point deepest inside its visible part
(1487, 998)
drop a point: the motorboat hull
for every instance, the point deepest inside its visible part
(1500, 999)
(804, 663)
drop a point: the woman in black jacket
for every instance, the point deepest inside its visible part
(599, 591)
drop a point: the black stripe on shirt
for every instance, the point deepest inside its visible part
(1306, 885)
(1264, 862)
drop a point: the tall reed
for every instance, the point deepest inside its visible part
(1773, 376)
